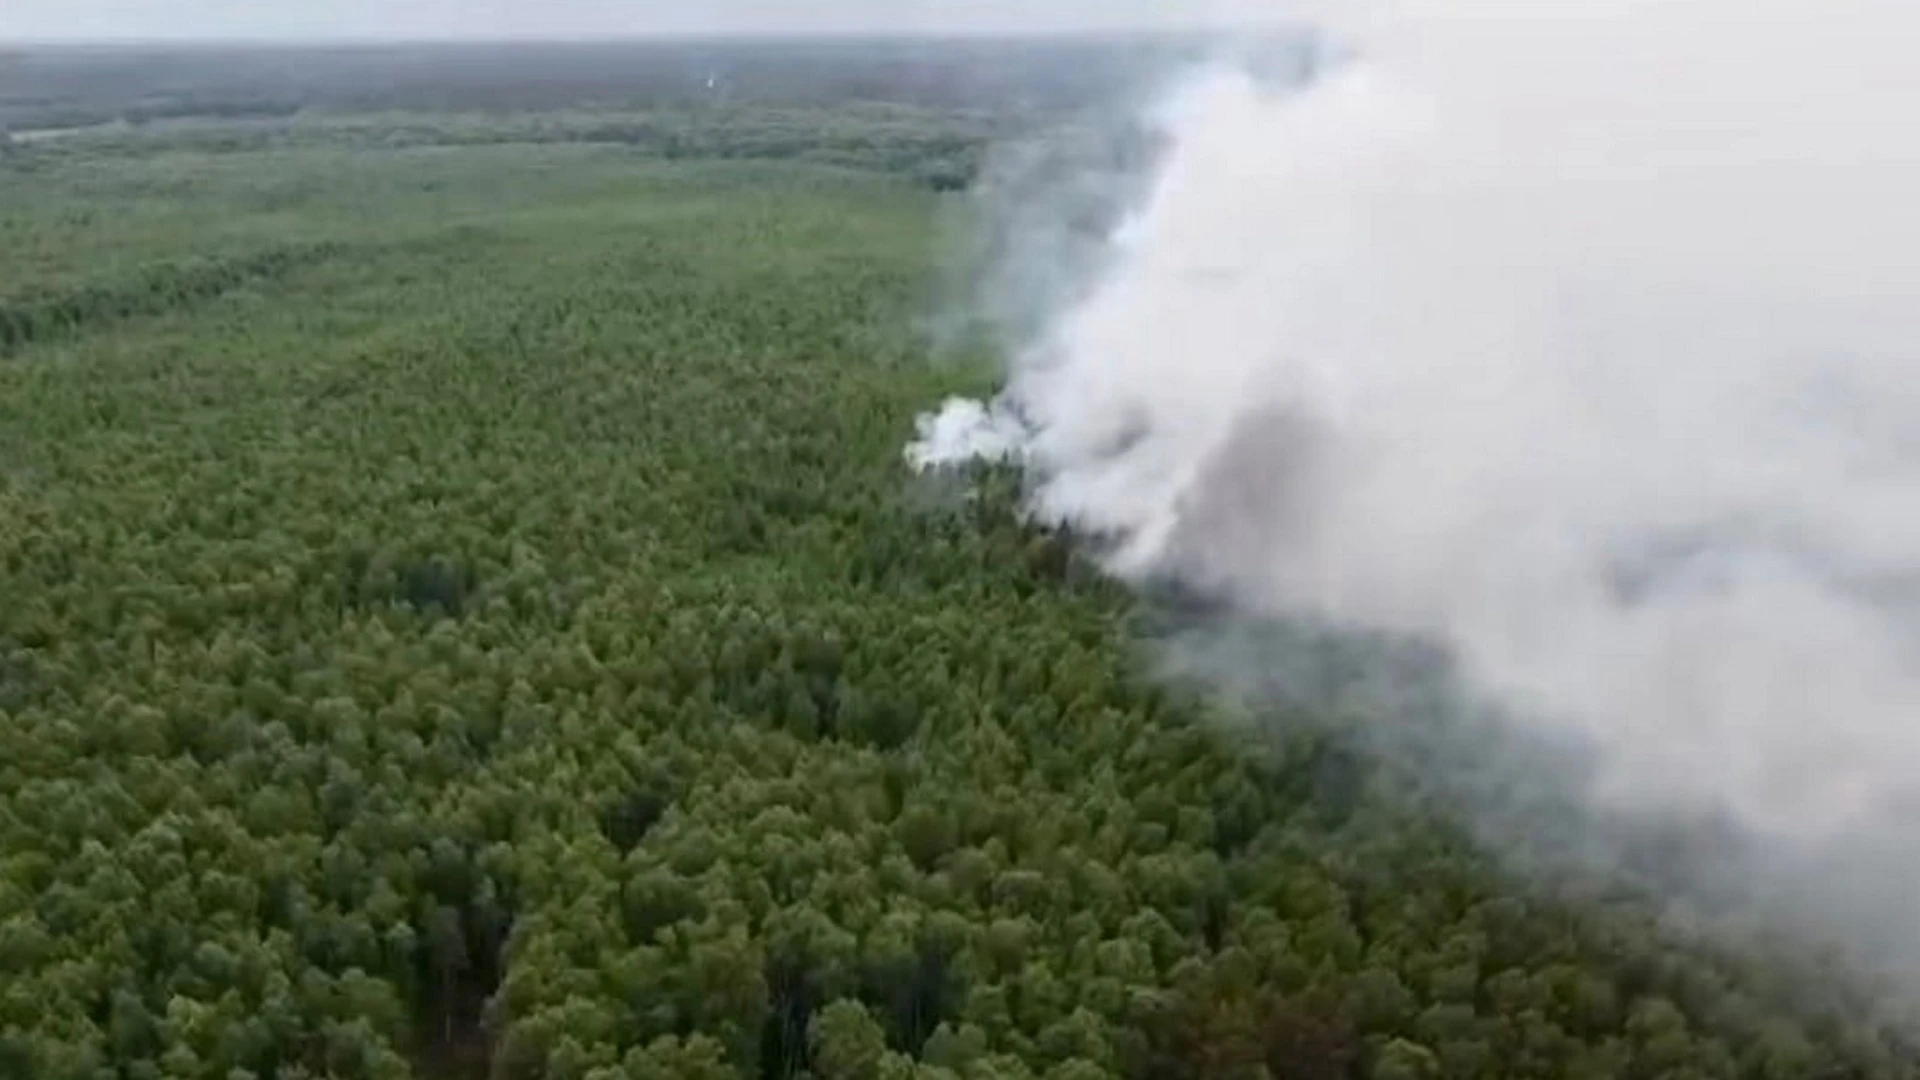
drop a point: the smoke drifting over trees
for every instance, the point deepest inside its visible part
(1579, 338)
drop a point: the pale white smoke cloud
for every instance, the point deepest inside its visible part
(1583, 336)
(965, 430)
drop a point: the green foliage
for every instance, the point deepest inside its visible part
(509, 646)
(938, 149)
(154, 289)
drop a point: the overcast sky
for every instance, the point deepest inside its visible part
(43, 20)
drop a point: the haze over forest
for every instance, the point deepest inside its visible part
(361, 20)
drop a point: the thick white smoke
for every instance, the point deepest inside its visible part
(1583, 336)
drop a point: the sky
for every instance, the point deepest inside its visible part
(121, 20)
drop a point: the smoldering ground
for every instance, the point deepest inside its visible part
(1580, 342)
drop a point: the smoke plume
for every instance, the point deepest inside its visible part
(1582, 337)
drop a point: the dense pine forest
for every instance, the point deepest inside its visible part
(466, 616)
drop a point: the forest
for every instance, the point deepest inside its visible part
(467, 617)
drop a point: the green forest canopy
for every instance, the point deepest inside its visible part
(466, 617)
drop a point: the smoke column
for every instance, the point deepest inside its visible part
(1583, 337)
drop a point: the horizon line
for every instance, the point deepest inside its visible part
(645, 37)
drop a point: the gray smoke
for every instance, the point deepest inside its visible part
(1582, 339)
